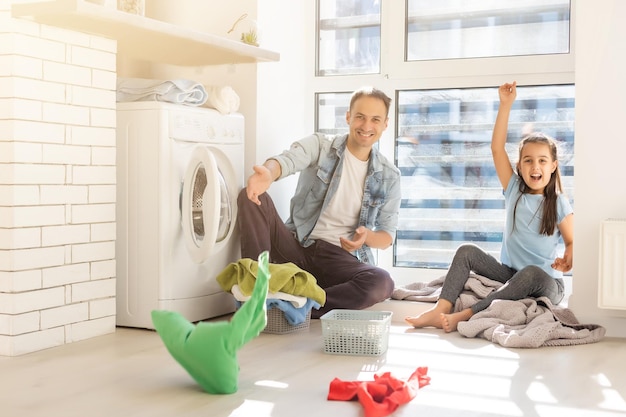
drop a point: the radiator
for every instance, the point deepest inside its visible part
(612, 265)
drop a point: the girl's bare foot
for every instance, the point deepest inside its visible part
(431, 317)
(450, 322)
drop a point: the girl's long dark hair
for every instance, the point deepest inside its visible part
(549, 217)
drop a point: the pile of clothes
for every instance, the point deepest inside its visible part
(292, 290)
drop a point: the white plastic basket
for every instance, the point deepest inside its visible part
(356, 332)
(278, 324)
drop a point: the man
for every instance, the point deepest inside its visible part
(345, 203)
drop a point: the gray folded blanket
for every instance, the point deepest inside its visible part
(476, 288)
(527, 323)
(530, 323)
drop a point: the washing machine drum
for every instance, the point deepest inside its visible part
(206, 211)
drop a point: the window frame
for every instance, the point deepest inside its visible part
(398, 74)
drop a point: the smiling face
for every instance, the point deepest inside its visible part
(367, 120)
(536, 166)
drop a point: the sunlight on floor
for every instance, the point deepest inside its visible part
(253, 408)
(476, 378)
(468, 375)
(558, 411)
(613, 400)
(271, 384)
(472, 377)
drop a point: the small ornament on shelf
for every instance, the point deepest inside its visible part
(248, 28)
(132, 6)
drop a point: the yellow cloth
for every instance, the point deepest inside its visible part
(288, 278)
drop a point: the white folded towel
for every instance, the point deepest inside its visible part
(179, 91)
(297, 301)
(223, 99)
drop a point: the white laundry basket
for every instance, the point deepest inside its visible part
(356, 332)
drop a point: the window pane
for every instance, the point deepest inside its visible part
(349, 37)
(444, 29)
(332, 108)
(450, 191)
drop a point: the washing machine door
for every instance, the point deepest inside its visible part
(206, 208)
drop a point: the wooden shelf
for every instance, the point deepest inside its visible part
(143, 38)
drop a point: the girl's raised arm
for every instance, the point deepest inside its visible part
(507, 93)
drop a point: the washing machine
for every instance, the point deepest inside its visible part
(179, 170)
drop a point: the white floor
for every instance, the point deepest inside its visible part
(130, 373)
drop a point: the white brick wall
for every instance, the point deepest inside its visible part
(57, 185)
(19, 281)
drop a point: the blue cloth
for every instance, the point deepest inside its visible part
(525, 246)
(319, 160)
(293, 315)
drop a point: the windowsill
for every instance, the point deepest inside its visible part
(143, 38)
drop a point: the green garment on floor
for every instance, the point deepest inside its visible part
(208, 350)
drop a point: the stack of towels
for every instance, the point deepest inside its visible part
(291, 289)
(179, 91)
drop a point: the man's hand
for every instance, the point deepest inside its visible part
(258, 183)
(360, 234)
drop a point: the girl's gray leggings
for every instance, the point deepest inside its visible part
(530, 281)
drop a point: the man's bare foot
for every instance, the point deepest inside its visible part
(450, 322)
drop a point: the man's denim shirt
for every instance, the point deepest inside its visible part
(319, 160)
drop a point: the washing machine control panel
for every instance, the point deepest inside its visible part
(206, 125)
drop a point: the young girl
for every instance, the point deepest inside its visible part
(537, 214)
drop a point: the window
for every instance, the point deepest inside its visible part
(448, 29)
(331, 109)
(442, 68)
(450, 191)
(349, 37)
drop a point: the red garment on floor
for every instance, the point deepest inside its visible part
(382, 396)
